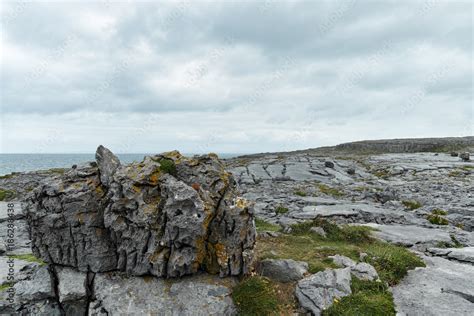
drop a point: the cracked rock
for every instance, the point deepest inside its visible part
(166, 216)
(318, 291)
(361, 270)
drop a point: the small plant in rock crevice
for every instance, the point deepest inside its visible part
(411, 204)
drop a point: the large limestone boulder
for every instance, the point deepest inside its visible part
(166, 216)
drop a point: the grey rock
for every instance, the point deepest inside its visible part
(283, 270)
(196, 295)
(38, 287)
(465, 254)
(107, 163)
(329, 164)
(465, 156)
(71, 284)
(351, 171)
(343, 261)
(442, 288)
(365, 271)
(361, 270)
(318, 231)
(318, 291)
(411, 235)
(144, 220)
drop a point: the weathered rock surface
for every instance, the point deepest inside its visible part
(442, 288)
(465, 254)
(318, 291)
(199, 295)
(166, 216)
(361, 270)
(283, 270)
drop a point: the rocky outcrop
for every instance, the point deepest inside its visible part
(166, 216)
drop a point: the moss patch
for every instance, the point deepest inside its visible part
(330, 191)
(411, 205)
(368, 298)
(29, 257)
(6, 194)
(256, 296)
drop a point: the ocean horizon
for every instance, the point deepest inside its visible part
(12, 162)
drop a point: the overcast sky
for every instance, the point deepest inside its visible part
(234, 77)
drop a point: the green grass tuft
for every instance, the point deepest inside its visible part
(351, 234)
(382, 173)
(281, 209)
(6, 194)
(262, 226)
(29, 257)
(439, 212)
(330, 191)
(168, 166)
(411, 205)
(391, 262)
(437, 219)
(300, 193)
(368, 298)
(256, 296)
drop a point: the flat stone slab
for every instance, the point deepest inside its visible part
(465, 254)
(410, 235)
(442, 288)
(4, 211)
(195, 295)
(310, 212)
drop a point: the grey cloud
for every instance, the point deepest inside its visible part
(352, 62)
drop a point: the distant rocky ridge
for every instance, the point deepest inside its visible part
(403, 145)
(409, 145)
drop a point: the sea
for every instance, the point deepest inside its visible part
(29, 162)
